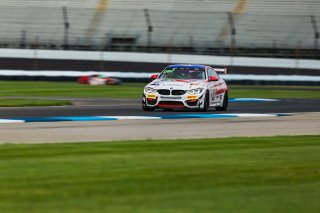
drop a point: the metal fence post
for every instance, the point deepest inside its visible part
(66, 28)
(150, 28)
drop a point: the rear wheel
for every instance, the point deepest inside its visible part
(224, 104)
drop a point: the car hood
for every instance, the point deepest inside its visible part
(182, 84)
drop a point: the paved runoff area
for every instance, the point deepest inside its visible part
(132, 129)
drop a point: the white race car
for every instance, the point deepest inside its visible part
(186, 86)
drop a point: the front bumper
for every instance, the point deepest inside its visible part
(155, 100)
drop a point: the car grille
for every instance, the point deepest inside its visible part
(178, 92)
(164, 92)
(173, 92)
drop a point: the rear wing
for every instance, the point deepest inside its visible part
(220, 70)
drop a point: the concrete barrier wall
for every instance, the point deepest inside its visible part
(145, 77)
(32, 64)
(160, 58)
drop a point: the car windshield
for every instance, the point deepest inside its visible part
(183, 73)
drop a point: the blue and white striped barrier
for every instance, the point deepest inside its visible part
(111, 118)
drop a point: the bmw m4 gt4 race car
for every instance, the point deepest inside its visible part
(186, 87)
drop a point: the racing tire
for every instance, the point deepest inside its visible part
(224, 104)
(146, 108)
(206, 103)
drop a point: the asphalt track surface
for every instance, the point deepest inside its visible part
(132, 107)
(304, 120)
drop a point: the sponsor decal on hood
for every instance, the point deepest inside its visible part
(178, 83)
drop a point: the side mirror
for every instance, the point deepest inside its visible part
(154, 76)
(213, 78)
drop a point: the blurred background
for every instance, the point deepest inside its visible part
(279, 29)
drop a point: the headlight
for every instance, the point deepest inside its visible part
(195, 91)
(149, 90)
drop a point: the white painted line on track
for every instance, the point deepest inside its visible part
(9, 121)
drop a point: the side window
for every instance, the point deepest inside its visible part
(211, 72)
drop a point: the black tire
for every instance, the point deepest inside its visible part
(206, 103)
(224, 106)
(146, 108)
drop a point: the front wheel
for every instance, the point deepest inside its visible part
(224, 104)
(206, 103)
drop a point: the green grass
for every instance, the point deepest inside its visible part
(72, 89)
(68, 89)
(31, 102)
(131, 90)
(263, 174)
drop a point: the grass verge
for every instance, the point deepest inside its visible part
(275, 92)
(259, 174)
(72, 89)
(69, 89)
(31, 102)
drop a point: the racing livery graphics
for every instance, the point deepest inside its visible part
(186, 87)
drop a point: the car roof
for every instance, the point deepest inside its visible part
(197, 66)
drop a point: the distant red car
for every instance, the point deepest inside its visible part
(97, 79)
